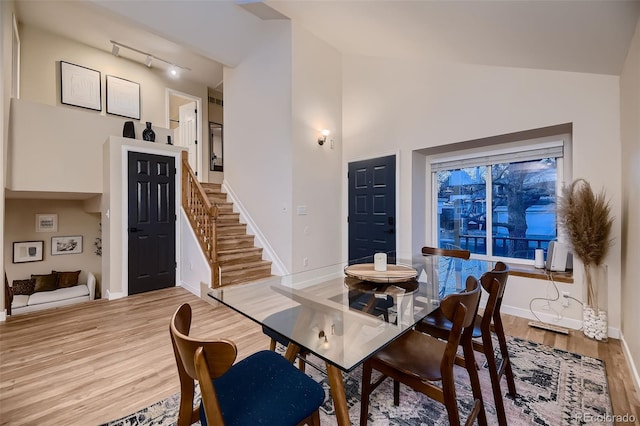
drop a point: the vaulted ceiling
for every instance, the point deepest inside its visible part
(580, 36)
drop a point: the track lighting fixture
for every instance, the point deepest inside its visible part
(115, 49)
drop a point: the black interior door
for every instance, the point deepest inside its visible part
(152, 222)
(372, 208)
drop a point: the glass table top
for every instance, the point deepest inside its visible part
(342, 318)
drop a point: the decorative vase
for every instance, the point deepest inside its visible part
(148, 134)
(595, 324)
(128, 131)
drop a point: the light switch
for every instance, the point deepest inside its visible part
(302, 210)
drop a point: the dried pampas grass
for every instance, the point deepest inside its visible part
(586, 218)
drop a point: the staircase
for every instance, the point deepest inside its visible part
(238, 258)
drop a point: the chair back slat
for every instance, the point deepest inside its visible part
(221, 353)
(436, 251)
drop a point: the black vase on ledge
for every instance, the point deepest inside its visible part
(148, 134)
(128, 131)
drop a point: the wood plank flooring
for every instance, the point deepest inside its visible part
(94, 362)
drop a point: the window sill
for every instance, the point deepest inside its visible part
(528, 271)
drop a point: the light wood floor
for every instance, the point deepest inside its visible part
(94, 362)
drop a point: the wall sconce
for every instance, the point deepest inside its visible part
(323, 139)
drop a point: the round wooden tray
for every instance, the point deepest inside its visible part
(393, 274)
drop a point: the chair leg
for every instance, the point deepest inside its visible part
(449, 398)
(487, 346)
(506, 361)
(312, 420)
(272, 345)
(366, 391)
(470, 365)
(396, 393)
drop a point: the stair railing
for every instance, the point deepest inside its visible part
(202, 216)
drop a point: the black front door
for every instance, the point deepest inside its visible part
(152, 222)
(372, 208)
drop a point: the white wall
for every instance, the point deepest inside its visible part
(317, 170)
(59, 149)
(258, 155)
(412, 105)
(630, 129)
(194, 268)
(6, 29)
(40, 80)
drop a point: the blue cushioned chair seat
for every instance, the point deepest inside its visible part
(265, 389)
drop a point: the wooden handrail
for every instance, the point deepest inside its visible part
(202, 217)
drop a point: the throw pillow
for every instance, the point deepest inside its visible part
(67, 279)
(25, 287)
(47, 282)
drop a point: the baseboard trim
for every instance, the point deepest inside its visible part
(261, 241)
(3, 315)
(112, 295)
(571, 323)
(630, 363)
(190, 288)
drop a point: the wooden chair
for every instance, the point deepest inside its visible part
(417, 359)
(452, 255)
(279, 338)
(437, 325)
(261, 389)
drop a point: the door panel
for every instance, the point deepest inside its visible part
(152, 218)
(372, 204)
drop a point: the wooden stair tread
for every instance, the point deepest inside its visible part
(242, 266)
(239, 250)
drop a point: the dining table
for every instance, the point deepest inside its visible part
(315, 310)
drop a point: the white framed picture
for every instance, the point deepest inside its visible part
(46, 222)
(123, 97)
(66, 245)
(80, 86)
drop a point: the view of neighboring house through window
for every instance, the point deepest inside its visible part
(500, 204)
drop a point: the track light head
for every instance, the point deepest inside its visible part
(147, 60)
(115, 50)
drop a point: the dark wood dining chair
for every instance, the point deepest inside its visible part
(451, 255)
(418, 360)
(263, 388)
(436, 324)
(287, 316)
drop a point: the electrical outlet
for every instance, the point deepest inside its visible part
(305, 261)
(565, 298)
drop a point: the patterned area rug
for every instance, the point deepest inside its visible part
(554, 387)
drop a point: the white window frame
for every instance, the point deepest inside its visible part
(558, 147)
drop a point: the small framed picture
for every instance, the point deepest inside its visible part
(80, 86)
(123, 97)
(28, 251)
(66, 245)
(46, 222)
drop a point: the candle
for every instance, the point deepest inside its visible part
(539, 258)
(380, 262)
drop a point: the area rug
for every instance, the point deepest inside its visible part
(554, 387)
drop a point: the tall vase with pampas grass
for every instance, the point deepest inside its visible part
(586, 218)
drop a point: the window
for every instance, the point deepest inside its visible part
(499, 204)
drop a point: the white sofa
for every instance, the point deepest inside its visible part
(60, 297)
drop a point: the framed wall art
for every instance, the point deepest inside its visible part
(123, 97)
(66, 245)
(80, 86)
(46, 222)
(28, 251)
